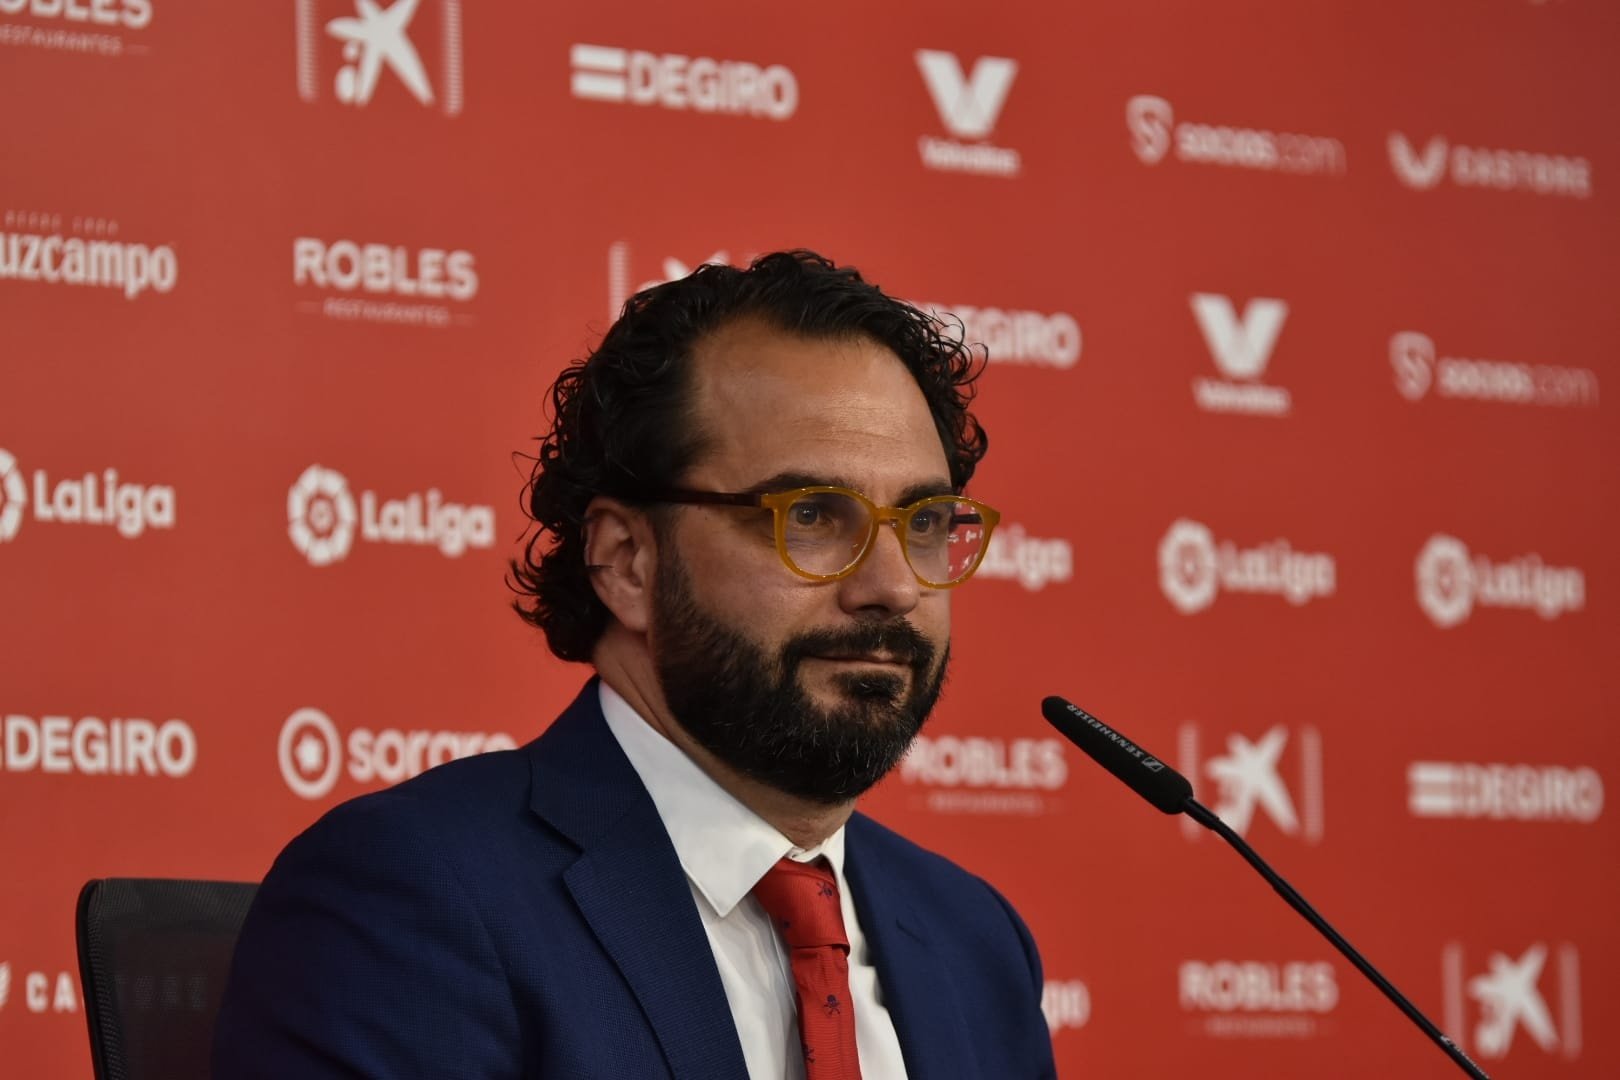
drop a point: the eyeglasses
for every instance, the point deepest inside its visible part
(825, 533)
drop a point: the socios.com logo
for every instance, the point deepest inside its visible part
(321, 515)
(13, 496)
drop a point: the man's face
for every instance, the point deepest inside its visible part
(815, 688)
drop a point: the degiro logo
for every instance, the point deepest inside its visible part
(322, 520)
(311, 753)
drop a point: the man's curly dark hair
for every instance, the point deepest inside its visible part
(620, 417)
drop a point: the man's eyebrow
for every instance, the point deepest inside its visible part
(786, 481)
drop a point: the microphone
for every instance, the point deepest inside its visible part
(1168, 790)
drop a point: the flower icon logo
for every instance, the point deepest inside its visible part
(309, 753)
(1445, 580)
(1187, 566)
(13, 496)
(320, 515)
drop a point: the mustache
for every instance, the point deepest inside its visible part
(897, 637)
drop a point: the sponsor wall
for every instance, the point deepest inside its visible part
(1298, 319)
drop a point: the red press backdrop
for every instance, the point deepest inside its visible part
(1298, 317)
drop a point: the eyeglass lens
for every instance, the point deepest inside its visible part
(824, 532)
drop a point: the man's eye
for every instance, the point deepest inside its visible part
(805, 514)
(925, 522)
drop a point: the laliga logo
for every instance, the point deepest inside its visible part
(1193, 568)
(321, 519)
(320, 515)
(311, 754)
(13, 496)
(87, 500)
(1028, 560)
(1451, 581)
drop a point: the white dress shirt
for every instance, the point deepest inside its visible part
(725, 848)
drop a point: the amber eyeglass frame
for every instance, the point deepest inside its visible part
(778, 502)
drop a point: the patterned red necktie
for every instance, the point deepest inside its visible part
(802, 900)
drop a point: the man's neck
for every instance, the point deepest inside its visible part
(622, 660)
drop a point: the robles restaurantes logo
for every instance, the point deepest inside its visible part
(969, 107)
(1418, 369)
(1194, 567)
(1012, 336)
(1249, 778)
(323, 520)
(91, 746)
(406, 283)
(1241, 349)
(1451, 789)
(1154, 133)
(311, 753)
(1509, 995)
(1258, 999)
(92, 499)
(1499, 170)
(1031, 561)
(83, 252)
(366, 38)
(971, 774)
(609, 73)
(1452, 581)
(77, 26)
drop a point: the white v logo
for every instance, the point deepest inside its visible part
(1241, 348)
(970, 107)
(1415, 172)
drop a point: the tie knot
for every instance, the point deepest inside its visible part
(802, 899)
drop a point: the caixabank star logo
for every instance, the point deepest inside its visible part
(357, 52)
(1273, 775)
(1522, 1002)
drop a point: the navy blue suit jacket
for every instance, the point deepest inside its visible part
(523, 914)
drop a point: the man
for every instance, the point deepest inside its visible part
(751, 515)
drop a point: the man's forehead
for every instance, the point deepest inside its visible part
(769, 401)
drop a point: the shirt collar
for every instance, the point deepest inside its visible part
(724, 847)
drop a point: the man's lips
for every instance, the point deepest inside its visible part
(888, 659)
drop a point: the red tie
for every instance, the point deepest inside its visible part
(802, 900)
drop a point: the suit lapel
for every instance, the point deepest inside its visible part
(632, 891)
(913, 977)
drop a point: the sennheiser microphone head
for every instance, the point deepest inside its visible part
(1146, 775)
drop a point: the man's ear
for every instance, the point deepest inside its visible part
(621, 550)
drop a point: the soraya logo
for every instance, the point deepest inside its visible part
(985, 774)
(359, 41)
(1012, 336)
(1499, 170)
(620, 76)
(77, 26)
(1455, 789)
(1452, 581)
(408, 284)
(1241, 349)
(969, 107)
(1248, 775)
(1194, 568)
(1258, 999)
(323, 520)
(92, 499)
(83, 252)
(1537, 992)
(311, 752)
(1031, 561)
(92, 746)
(1154, 133)
(1418, 369)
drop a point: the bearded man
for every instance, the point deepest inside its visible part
(751, 512)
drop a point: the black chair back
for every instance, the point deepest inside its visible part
(153, 957)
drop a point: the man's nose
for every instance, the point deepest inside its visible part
(884, 581)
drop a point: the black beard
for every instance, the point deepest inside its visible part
(752, 713)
